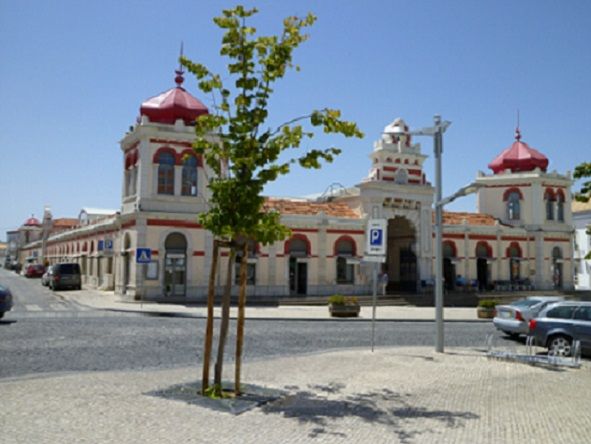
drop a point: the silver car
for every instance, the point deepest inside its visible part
(559, 324)
(513, 319)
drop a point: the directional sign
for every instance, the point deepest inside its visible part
(376, 236)
(143, 255)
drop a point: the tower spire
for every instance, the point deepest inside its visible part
(179, 79)
(517, 130)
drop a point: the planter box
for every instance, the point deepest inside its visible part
(485, 313)
(344, 311)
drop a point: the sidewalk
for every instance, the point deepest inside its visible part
(107, 300)
(401, 395)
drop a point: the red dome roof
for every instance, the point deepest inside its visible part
(176, 103)
(32, 222)
(519, 157)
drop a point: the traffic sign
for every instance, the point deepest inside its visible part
(377, 237)
(143, 255)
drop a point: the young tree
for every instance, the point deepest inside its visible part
(583, 170)
(247, 153)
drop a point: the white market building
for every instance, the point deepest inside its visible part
(520, 237)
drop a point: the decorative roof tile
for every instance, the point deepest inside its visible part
(308, 208)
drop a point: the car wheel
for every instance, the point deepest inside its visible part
(1, 314)
(560, 345)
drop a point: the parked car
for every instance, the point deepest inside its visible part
(34, 270)
(559, 324)
(5, 300)
(513, 319)
(46, 276)
(65, 275)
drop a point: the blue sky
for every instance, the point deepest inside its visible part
(73, 75)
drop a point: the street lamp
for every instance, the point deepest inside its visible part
(436, 132)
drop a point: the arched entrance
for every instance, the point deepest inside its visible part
(401, 261)
(483, 254)
(557, 267)
(175, 265)
(449, 268)
(298, 247)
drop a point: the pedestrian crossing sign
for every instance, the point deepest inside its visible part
(143, 255)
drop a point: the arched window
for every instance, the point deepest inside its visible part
(549, 198)
(345, 248)
(189, 178)
(560, 206)
(513, 206)
(166, 163)
(298, 246)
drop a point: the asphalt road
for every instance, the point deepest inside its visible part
(47, 334)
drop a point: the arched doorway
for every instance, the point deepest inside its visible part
(449, 268)
(298, 247)
(514, 255)
(125, 253)
(175, 265)
(557, 267)
(483, 254)
(401, 261)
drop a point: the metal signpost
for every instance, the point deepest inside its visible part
(375, 251)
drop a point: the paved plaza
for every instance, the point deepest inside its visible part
(408, 395)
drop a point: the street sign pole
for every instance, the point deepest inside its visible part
(374, 302)
(375, 252)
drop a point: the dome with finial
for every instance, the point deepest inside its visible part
(174, 104)
(519, 157)
(32, 222)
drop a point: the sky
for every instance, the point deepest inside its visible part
(73, 75)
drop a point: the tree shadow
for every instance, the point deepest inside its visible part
(385, 407)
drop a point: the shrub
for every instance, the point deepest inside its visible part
(338, 299)
(487, 303)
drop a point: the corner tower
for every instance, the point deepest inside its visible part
(161, 172)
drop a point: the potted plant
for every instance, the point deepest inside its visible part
(486, 308)
(343, 306)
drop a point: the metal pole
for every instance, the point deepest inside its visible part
(375, 293)
(438, 148)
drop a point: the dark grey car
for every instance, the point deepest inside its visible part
(559, 324)
(65, 275)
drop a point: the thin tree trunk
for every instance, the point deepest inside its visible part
(219, 365)
(209, 326)
(240, 321)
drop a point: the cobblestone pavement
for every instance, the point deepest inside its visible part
(407, 395)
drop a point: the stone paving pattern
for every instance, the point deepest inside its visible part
(405, 395)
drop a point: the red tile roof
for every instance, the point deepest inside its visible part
(65, 222)
(457, 218)
(287, 206)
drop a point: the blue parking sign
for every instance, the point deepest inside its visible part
(375, 237)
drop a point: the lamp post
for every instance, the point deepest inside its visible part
(436, 132)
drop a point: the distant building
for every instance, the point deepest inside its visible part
(582, 224)
(520, 238)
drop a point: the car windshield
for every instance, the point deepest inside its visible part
(525, 303)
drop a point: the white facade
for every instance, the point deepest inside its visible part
(582, 246)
